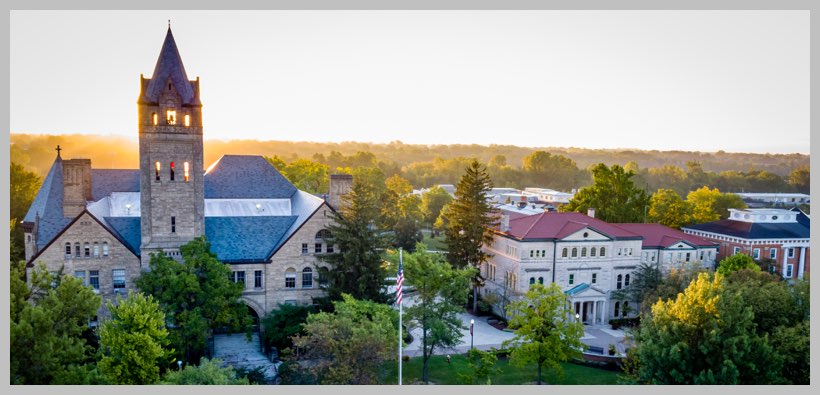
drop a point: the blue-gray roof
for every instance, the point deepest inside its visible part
(246, 239)
(577, 289)
(755, 230)
(128, 230)
(246, 177)
(105, 181)
(48, 205)
(169, 65)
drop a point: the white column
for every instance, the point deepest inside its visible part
(594, 311)
(785, 259)
(604, 317)
(802, 262)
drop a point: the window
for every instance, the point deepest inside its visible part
(94, 279)
(105, 248)
(329, 249)
(772, 253)
(583, 252)
(543, 253)
(574, 252)
(307, 278)
(171, 169)
(187, 120)
(564, 253)
(701, 256)
(87, 250)
(173, 224)
(688, 256)
(592, 251)
(626, 308)
(617, 308)
(156, 170)
(171, 117)
(119, 279)
(791, 252)
(68, 250)
(532, 253)
(154, 118)
(540, 280)
(238, 277)
(571, 279)
(96, 250)
(304, 248)
(323, 235)
(290, 278)
(317, 248)
(618, 283)
(532, 280)
(603, 252)
(735, 250)
(186, 169)
(594, 277)
(626, 281)
(77, 250)
(257, 279)
(81, 275)
(756, 253)
(620, 250)
(789, 270)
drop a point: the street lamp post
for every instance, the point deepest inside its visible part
(471, 333)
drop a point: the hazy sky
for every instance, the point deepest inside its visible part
(687, 80)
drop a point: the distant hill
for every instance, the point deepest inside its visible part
(36, 152)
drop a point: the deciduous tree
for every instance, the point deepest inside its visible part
(432, 202)
(208, 372)
(613, 195)
(668, 208)
(737, 262)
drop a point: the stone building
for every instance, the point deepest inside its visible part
(101, 225)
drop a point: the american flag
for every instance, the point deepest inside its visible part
(399, 282)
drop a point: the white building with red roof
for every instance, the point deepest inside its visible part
(669, 248)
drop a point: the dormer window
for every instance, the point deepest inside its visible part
(156, 170)
(186, 171)
(187, 120)
(172, 171)
(171, 117)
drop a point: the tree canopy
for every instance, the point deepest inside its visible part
(613, 195)
(737, 262)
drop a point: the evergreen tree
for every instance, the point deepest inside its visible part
(356, 266)
(470, 222)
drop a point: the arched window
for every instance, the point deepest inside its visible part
(323, 234)
(77, 251)
(564, 253)
(574, 252)
(172, 168)
(603, 252)
(96, 250)
(540, 280)
(290, 278)
(617, 308)
(171, 116)
(618, 284)
(626, 309)
(583, 252)
(154, 118)
(187, 120)
(156, 170)
(592, 251)
(186, 168)
(68, 250)
(87, 250)
(532, 280)
(626, 282)
(307, 278)
(105, 248)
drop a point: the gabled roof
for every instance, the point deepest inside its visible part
(657, 235)
(581, 288)
(756, 230)
(48, 206)
(245, 177)
(169, 65)
(556, 226)
(106, 181)
(246, 239)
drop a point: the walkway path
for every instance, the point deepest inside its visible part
(237, 351)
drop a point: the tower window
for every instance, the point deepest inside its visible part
(173, 224)
(154, 119)
(185, 165)
(172, 171)
(187, 120)
(156, 170)
(171, 117)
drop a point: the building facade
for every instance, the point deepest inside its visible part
(102, 225)
(668, 249)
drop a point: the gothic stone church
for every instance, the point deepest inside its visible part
(101, 225)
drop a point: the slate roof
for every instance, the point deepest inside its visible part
(657, 235)
(246, 239)
(756, 230)
(169, 65)
(48, 205)
(128, 231)
(245, 177)
(106, 181)
(556, 226)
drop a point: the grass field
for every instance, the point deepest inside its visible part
(436, 243)
(443, 373)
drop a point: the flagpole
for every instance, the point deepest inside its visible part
(400, 311)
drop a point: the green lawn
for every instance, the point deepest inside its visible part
(443, 373)
(436, 243)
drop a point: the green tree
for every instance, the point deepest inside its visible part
(737, 262)
(282, 324)
(800, 179)
(404, 212)
(356, 267)
(432, 202)
(711, 205)
(546, 332)
(792, 344)
(670, 177)
(349, 345)
(440, 293)
(645, 282)
(208, 372)
(23, 186)
(470, 222)
(47, 345)
(551, 171)
(705, 336)
(133, 340)
(481, 365)
(613, 195)
(196, 295)
(308, 176)
(668, 208)
(772, 303)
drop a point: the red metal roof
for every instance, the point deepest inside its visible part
(552, 225)
(657, 235)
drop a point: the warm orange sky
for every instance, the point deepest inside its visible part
(688, 80)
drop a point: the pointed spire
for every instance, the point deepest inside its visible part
(169, 66)
(58, 151)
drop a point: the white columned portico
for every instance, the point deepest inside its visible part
(785, 259)
(802, 263)
(594, 311)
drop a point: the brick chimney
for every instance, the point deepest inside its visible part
(340, 185)
(591, 212)
(76, 186)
